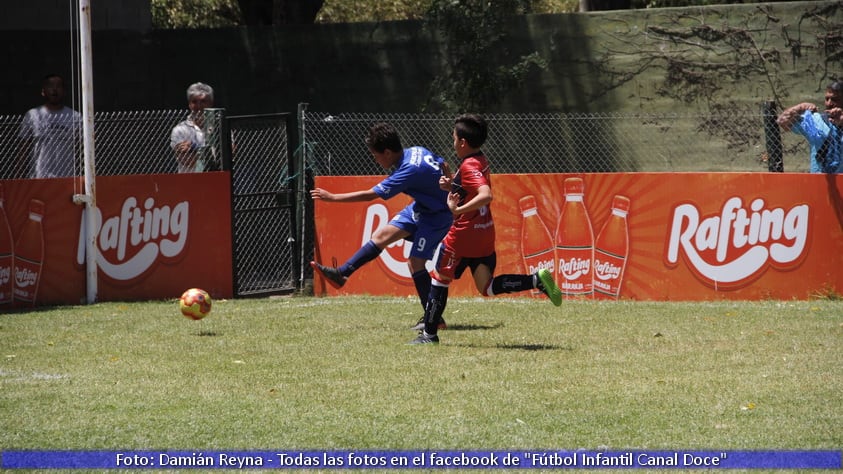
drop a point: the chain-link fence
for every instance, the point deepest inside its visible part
(569, 143)
(129, 142)
(138, 142)
(135, 142)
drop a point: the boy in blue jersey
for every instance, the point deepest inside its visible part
(425, 221)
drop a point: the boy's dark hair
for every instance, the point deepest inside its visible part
(472, 128)
(836, 86)
(382, 137)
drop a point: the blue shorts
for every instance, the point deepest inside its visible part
(426, 230)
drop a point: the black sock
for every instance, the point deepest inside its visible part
(422, 281)
(435, 307)
(512, 283)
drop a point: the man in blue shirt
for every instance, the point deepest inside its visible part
(823, 130)
(425, 221)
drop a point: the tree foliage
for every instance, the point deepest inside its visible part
(479, 67)
(195, 13)
(356, 11)
(224, 13)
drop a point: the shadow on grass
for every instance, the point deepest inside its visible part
(205, 332)
(32, 309)
(519, 347)
(533, 347)
(473, 327)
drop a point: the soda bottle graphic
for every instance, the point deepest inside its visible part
(574, 243)
(536, 242)
(29, 256)
(610, 251)
(6, 254)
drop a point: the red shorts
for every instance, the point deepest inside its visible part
(450, 266)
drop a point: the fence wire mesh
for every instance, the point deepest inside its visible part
(57, 137)
(134, 142)
(566, 143)
(137, 142)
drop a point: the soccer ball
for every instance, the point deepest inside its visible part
(195, 303)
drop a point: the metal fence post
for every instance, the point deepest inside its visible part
(301, 190)
(214, 140)
(225, 141)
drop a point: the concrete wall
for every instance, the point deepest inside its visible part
(630, 61)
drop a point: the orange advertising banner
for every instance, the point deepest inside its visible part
(157, 235)
(638, 236)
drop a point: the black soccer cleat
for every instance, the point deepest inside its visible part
(330, 274)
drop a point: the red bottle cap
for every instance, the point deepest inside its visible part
(527, 203)
(37, 207)
(620, 203)
(574, 186)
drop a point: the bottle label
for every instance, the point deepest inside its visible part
(538, 261)
(574, 275)
(5, 279)
(608, 274)
(26, 279)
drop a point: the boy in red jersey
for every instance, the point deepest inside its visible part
(470, 242)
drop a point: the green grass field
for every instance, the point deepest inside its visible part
(336, 373)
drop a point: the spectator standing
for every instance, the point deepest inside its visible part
(187, 138)
(50, 135)
(823, 130)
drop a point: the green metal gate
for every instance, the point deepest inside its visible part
(263, 213)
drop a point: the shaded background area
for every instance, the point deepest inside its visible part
(673, 59)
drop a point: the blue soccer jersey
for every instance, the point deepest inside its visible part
(417, 176)
(428, 218)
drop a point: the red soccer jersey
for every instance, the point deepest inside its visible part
(472, 233)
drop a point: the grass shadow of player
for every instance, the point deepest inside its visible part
(473, 327)
(533, 347)
(519, 347)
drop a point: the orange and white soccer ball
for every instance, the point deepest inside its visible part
(195, 303)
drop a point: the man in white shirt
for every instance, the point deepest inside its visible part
(188, 137)
(50, 136)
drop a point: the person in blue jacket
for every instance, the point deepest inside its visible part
(823, 130)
